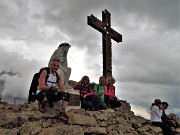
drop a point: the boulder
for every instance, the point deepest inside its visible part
(27, 120)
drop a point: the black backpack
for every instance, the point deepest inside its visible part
(92, 84)
(35, 83)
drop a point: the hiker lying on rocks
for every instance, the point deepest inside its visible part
(89, 101)
(47, 90)
(109, 91)
(99, 91)
(155, 115)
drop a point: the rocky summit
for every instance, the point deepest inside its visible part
(25, 119)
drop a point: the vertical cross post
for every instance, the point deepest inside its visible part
(104, 27)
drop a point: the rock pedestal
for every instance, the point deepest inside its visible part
(25, 119)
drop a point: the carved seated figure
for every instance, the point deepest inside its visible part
(64, 71)
(61, 54)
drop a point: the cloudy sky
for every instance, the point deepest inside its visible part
(146, 64)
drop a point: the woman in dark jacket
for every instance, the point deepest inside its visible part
(89, 101)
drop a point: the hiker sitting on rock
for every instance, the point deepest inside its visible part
(47, 89)
(99, 91)
(169, 120)
(155, 114)
(109, 91)
(89, 101)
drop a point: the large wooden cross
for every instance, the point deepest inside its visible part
(104, 27)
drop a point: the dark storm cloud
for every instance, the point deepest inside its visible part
(145, 65)
(149, 68)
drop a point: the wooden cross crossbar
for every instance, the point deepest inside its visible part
(108, 33)
(101, 27)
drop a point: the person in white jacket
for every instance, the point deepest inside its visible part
(155, 115)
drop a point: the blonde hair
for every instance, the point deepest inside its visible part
(110, 77)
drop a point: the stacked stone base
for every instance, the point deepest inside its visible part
(27, 120)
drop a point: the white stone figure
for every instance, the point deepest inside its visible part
(64, 71)
(61, 54)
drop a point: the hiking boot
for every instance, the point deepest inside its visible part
(63, 117)
(96, 108)
(91, 109)
(63, 114)
(41, 106)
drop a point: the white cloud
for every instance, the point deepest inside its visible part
(145, 64)
(139, 111)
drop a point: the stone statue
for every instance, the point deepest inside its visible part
(64, 70)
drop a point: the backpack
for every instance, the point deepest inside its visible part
(35, 83)
(92, 84)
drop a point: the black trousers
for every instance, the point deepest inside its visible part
(52, 96)
(166, 129)
(112, 103)
(90, 102)
(170, 123)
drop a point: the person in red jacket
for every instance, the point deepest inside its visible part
(109, 92)
(89, 101)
